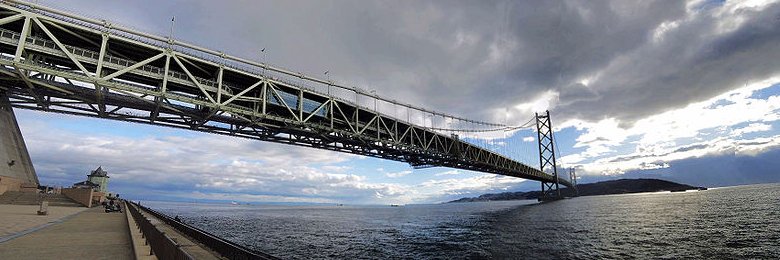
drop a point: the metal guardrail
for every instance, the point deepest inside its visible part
(225, 248)
(162, 245)
(12, 36)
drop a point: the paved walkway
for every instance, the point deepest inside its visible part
(18, 218)
(91, 234)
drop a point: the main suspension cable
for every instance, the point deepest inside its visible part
(505, 128)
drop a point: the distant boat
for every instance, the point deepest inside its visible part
(234, 203)
(394, 205)
(340, 205)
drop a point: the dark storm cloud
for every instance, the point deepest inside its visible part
(473, 57)
(563, 41)
(693, 63)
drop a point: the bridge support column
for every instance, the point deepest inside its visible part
(16, 169)
(550, 190)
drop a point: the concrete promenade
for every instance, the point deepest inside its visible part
(91, 234)
(18, 218)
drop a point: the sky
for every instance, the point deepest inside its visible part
(687, 91)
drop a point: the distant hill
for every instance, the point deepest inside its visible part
(620, 186)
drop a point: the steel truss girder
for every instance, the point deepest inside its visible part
(82, 77)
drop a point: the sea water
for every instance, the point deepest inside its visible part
(731, 222)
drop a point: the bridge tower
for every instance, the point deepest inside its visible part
(550, 190)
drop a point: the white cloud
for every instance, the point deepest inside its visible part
(213, 167)
(336, 168)
(203, 164)
(397, 174)
(543, 102)
(462, 186)
(450, 172)
(696, 130)
(662, 29)
(653, 166)
(661, 158)
(752, 128)
(250, 197)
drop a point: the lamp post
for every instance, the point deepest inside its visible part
(170, 35)
(373, 93)
(328, 76)
(263, 60)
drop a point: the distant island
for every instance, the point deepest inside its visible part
(621, 186)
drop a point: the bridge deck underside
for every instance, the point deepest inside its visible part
(53, 63)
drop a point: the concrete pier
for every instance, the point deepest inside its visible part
(14, 159)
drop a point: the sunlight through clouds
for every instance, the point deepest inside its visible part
(658, 135)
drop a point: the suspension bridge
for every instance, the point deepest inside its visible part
(56, 61)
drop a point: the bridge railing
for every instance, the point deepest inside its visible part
(225, 248)
(162, 245)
